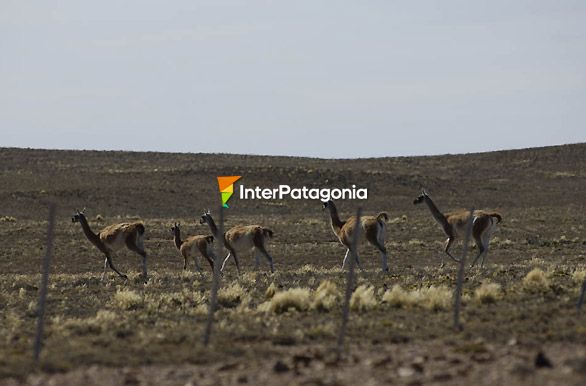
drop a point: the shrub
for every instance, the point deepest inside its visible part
(579, 276)
(293, 299)
(488, 292)
(399, 298)
(434, 298)
(536, 280)
(127, 299)
(363, 298)
(326, 296)
(271, 291)
(230, 296)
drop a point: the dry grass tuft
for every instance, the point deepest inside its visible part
(434, 298)
(127, 299)
(579, 276)
(231, 295)
(488, 292)
(326, 296)
(293, 299)
(271, 291)
(363, 298)
(536, 280)
(399, 298)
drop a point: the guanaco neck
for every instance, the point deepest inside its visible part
(91, 236)
(213, 227)
(435, 212)
(337, 224)
(177, 238)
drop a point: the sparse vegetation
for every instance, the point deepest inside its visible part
(488, 292)
(579, 276)
(399, 298)
(93, 327)
(127, 299)
(434, 298)
(536, 280)
(298, 299)
(326, 296)
(363, 298)
(231, 295)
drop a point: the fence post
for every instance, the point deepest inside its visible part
(581, 299)
(215, 280)
(349, 285)
(44, 285)
(460, 279)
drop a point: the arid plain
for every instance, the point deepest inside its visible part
(281, 328)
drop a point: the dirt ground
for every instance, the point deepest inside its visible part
(117, 332)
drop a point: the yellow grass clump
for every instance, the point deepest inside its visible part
(293, 299)
(399, 298)
(127, 299)
(579, 276)
(536, 280)
(434, 298)
(488, 292)
(231, 295)
(326, 296)
(363, 298)
(271, 291)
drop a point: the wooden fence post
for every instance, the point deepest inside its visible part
(460, 279)
(349, 285)
(44, 285)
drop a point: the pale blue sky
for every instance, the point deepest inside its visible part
(310, 78)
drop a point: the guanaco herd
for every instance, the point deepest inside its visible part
(244, 238)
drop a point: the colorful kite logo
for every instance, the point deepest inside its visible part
(226, 184)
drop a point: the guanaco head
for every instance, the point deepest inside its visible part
(206, 217)
(328, 204)
(77, 215)
(421, 197)
(175, 228)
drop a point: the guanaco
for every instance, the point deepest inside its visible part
(373, 227)
(193, 244)
(454, 224)
(114, 237)
(241, 238)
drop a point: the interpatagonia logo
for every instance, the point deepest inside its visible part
(226, 185)
(303, 193)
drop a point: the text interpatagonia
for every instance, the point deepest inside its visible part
(303, 193)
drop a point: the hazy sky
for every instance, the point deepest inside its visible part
(313, 78)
